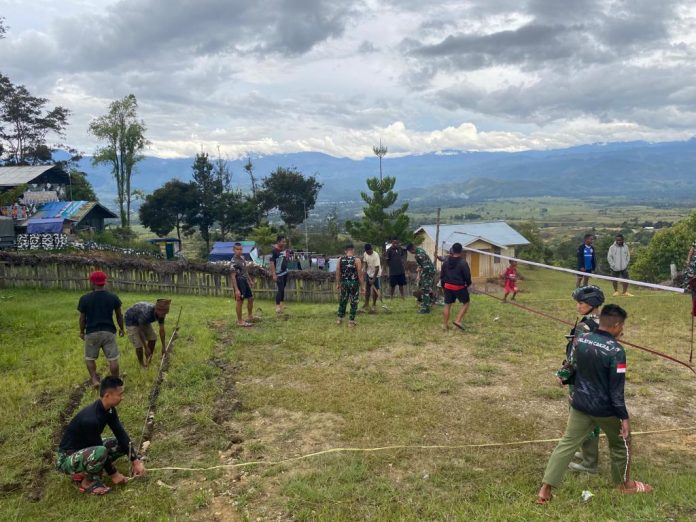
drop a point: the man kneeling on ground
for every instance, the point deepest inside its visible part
(139, 319)
(84, 455)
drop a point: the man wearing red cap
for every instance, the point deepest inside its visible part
(97, 325)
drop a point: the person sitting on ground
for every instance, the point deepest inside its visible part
(599, 364)
(139, 319)
(510, 277)
(372, 266)
(586, 260)
(97, 328)
(396, 261)
(588, 300)
(456, 280)
(426, 276)
(242, 283)
(349, 281)
(619, 257)
(84, 455)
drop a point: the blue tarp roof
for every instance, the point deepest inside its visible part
(45, 226)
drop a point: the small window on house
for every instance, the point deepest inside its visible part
(497, 251)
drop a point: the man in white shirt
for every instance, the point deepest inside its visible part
(372, 266)
(619, 257)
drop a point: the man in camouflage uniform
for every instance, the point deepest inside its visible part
(349, 281)
(426, 270)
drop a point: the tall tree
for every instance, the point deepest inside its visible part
(168, 207)
(25, 123)
(380, 151)
(208, 191)
(236, 213)
(291, 193)
(379, 224)
(124, 136)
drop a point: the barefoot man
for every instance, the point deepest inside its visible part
(139, 319)
(242, 283)
(456, 280)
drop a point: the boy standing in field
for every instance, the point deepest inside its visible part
(588, 300)
(349, 281)
(242, 283)
(586, 260)
(97, 328)
(599, 364)
(372, 265)
(279, 272)
(456, 280)
(510, 277)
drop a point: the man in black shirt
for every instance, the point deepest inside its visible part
(97, 325)
(279, 272)
(456, 280)
(396, 260)
(598, 400)
(82, 452)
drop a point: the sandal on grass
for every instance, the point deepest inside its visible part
(245, 324)
(458, 326)
(96, 488)
(638, 487)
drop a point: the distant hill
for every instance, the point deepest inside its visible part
(635, 170)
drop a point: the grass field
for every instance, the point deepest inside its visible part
(288, 388)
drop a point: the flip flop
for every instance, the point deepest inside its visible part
(639, 487)
(93, 487)
(245, 325)
(458, 326)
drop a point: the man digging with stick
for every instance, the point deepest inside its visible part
(139, 319)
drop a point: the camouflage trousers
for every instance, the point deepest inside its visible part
(89, 460)
(350, 291)
(425, 285)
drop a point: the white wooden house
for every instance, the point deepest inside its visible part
(497, 237)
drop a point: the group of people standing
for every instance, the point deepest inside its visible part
(618, 257)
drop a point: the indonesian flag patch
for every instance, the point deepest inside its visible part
(621, 368)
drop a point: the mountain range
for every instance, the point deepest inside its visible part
(639, 171)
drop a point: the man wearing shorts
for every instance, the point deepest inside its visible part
(372, 265)
(396, 260)
(619, 257)
(139, 319)
(242, 283)
(456, 280)
(97, 325)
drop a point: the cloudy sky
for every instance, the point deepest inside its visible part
(337, 76)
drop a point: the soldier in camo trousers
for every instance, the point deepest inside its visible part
(426, 270)
(349, 281)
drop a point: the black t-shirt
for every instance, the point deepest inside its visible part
(280, 259)
(395, 260)
(99, 307)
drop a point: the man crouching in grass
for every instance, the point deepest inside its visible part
(82, 452)
(598, 400)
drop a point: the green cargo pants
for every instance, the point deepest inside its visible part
(89, 460)
(579, 426)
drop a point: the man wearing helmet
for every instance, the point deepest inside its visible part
(588, 300)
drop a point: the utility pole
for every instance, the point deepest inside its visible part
(437, 237)
(306, 234)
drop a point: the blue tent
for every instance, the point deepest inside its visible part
(224, 251)
(45, 226)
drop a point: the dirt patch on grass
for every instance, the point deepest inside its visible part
(36, 490)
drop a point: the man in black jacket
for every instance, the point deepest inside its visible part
(84, 455)
(586, 260)
(456, 280)
(598, 400)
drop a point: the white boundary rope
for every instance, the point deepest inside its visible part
(397, 447)
(579, 273)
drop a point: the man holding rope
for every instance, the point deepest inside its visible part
(600, 374)
(82, 452)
